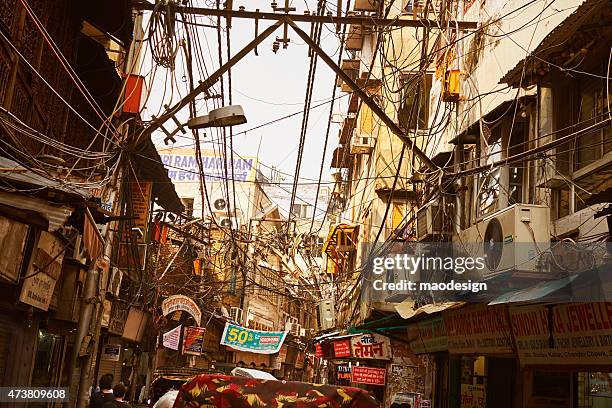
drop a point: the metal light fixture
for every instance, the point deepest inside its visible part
(225, 116)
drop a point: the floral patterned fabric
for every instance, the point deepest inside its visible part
(214, 390)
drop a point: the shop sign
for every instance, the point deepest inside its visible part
(371, 346)
(342, 348)
(172, 338)
(184, 303)
(478, 329)
(368, 375)
(428, 336)
(318, 350)
(572, 333)
(473, 396)
(118, 316)
(140, 200)
(183, 166)
(343, 374)
(254, 341)
(110, 352)
(193, 340)
(38, 287)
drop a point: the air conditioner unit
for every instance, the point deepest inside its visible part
(362, 143)
(295, 329)
(289, 322)
(115, 282)
(235, 314)
(220, 204)
(326, 314)
(434, 220)
(512, 239)
(228, 222)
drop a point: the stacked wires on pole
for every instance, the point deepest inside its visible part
(162, 38)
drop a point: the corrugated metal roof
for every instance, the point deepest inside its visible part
(56, 214)
(557, 38)
(15, 174)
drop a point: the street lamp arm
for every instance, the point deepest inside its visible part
(207, 84)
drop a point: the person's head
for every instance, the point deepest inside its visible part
(106, 382)
(119, 391)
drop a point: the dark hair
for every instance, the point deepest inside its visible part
(106, 382)
(119, 390)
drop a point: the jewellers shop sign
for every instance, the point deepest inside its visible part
(253, 341)
(572, 333)
(371, 346)
(478, 329)
(182, 303)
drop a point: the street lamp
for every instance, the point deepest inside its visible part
(225, 116)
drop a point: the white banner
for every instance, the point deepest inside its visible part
(172, 338)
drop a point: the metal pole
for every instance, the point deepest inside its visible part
(87, 308)
(309, 18)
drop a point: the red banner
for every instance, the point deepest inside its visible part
(342, 348)
(368, 375)
(318, 350)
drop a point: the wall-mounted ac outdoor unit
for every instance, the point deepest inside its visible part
(326, 314)
(512, 239)
(236, 314)
(228, 222)
(362, 143)
(434, 220)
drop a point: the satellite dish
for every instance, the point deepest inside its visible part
(493, 244)
(226, 222)
(220, 204)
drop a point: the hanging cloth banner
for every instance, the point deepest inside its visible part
(253, 341)
(172, 338)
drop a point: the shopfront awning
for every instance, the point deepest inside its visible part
(541, 291)
(406, 311)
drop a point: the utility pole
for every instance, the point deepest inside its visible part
(92, 310)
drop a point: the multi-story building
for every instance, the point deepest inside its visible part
(63, 69)
(523, 149)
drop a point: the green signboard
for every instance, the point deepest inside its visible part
(253, 341)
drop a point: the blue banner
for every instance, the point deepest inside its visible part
(253, 341)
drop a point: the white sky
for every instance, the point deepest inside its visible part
(268, 87)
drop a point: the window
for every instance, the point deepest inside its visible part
(489, 183)
(300, 210)
(414, 104)
(592, 105)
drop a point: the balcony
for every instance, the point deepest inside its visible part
(350, 68)
(354, 38)
(347, 128)
(362, 143)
